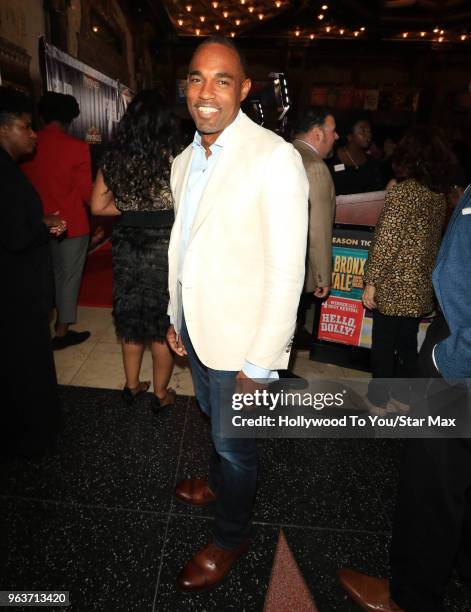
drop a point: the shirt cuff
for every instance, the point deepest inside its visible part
(255, 372)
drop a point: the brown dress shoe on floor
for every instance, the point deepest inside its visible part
(368, 592)
(194, 491)
(209, 567)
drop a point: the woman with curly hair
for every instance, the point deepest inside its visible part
(398, 273)
(133, 182)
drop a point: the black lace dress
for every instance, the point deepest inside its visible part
(140, 242)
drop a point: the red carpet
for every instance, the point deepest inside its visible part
(97, 282)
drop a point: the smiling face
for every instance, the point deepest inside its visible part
(216, 87)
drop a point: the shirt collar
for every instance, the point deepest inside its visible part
(222, 138)
(309, 145)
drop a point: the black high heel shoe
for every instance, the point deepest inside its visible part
(129, 395)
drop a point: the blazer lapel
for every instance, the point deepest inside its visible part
(226, 162)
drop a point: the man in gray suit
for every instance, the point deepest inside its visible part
(315, 137)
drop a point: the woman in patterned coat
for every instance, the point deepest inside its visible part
(398, 273)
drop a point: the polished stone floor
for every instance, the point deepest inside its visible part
(97, 517)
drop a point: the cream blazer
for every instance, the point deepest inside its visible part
(244, 266)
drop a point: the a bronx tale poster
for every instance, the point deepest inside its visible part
(342, 317)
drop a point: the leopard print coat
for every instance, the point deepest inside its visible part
(403, 252)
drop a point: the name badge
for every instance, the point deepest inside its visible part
(339, 167)
(466, 211)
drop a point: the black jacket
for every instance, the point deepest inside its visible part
(25, 261)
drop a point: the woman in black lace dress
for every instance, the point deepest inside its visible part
(133, 182)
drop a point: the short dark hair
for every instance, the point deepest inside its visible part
(225, 42)
(423, 155)
(313, 116)
(13, 103)
(55, 106)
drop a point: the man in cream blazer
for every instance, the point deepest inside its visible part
(236, 271)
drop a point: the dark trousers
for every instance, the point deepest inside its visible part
(432, 522)
(234, 461)
(393, 355)
(29, 416)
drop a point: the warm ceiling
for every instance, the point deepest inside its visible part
(438, 21)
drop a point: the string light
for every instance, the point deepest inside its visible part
(277, 3)
(440, 39)
(342, 31)
(232, 34)
(463, 37)
(442, 32)
(215, 5)
(312, 36)
(250, 9)
(362, 29)
(320, 17)
(197, 32)
(355, 33)
(188, 7)
(216, 27)
(328, 28)
(202, 18)
(436, 30)
(405, 34)
(297, 33)
(260, 16)
(95, 29)
(324, 7)
(225, 14)
(237, 22)
(422, 34)
(180, 22)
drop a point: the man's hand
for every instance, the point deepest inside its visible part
(56, 225)
(244, 384)
(322, 292)
(175, 342)
(368, 298)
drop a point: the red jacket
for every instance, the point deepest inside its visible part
(61, 173)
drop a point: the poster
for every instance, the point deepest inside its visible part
(343, 318)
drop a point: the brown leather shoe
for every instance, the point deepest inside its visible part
(368, 592)
(194, 491)
(209, 567)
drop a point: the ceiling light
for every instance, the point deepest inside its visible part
(188, 7)
(277, 3)
(250, 9)
(232, 34)
(215, 4)
(440, 39)
(442, 32)
(297, 33)
(202, 18)
(362, 29)
(320, 17)
(197, 32)
(260, 16)
(95, 28)
(217, 26)
(405, 34)
(312, 36)
(237, 22)
(422, 34)
(342, 31)
(463, 37)
(436, 30)
(355, 33)
(324, 7)
(180, 22)
(328, 28)
(225, 14)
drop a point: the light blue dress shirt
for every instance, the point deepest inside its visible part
(200, 172)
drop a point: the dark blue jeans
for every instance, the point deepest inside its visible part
(234, 461)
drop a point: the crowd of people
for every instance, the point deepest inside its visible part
(209, 261)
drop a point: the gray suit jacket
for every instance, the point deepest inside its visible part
(321, 218)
